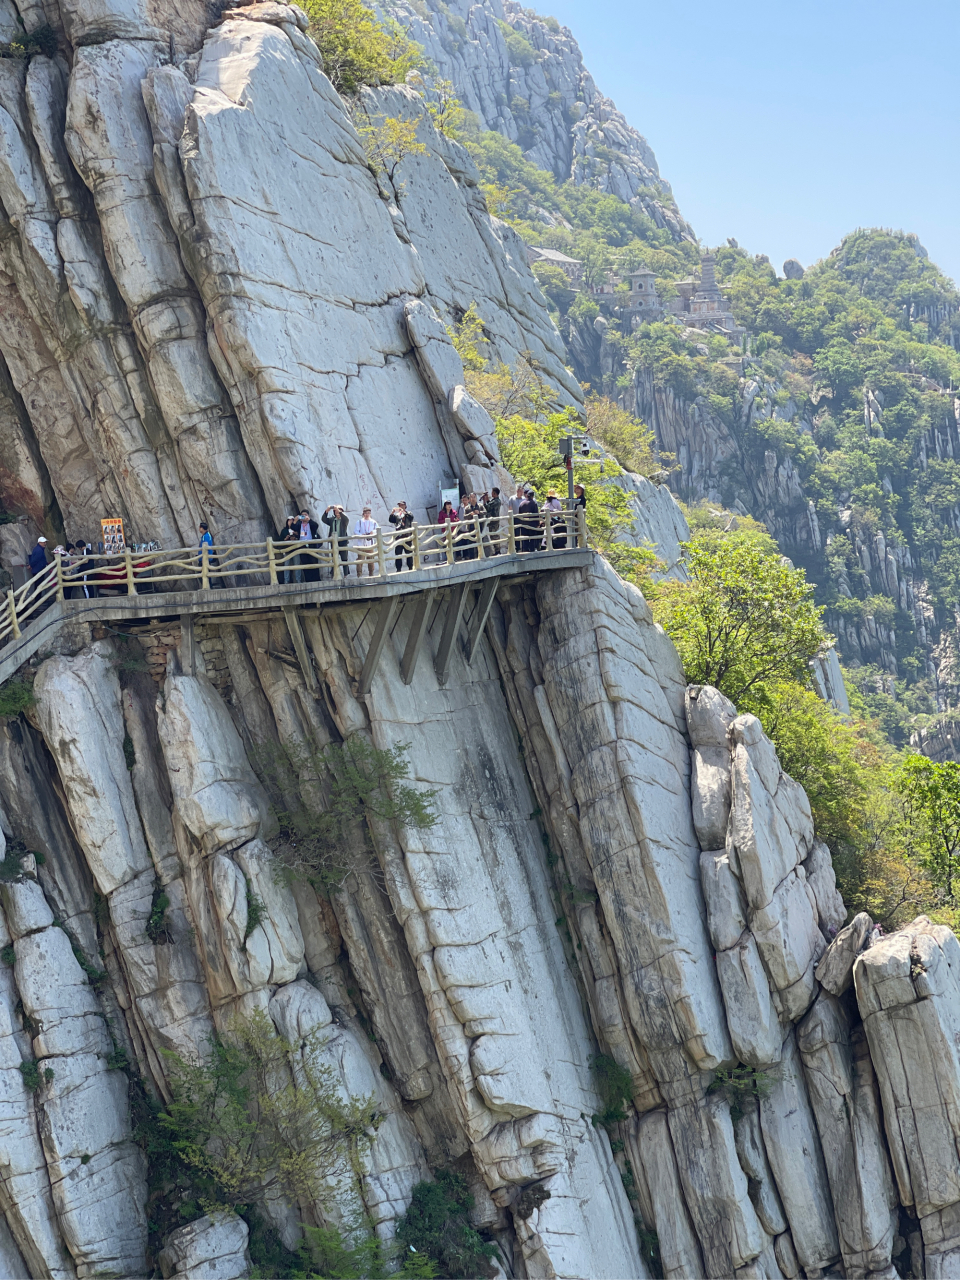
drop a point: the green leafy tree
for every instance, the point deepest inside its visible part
(357, 48)
(744, 618)
(931, 791)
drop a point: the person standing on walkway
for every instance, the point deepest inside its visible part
(38, 557)
(307, 532)
(287, 536)
(555, 537)
(513, 507)
(213, 560)
(402, 521)
(529, 517)
(335, 518)
(492, 506)
(471, 514)
(365, 531)
(86, 569)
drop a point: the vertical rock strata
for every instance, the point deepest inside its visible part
(210, 306)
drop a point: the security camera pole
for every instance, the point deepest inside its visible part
(568, 446)
(566, 452)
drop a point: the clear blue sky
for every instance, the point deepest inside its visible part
(788, 124)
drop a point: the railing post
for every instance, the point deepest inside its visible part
(581, 527)
(511, 534)
(58, 570)
(335, 554)
(204, 567)
(449, 532)
(128, 559)
(272, 563)
(416, 546)
(12, 604)
(478, 524)
(381, 557)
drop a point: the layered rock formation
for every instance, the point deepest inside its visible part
(212, 306)
(523, 76)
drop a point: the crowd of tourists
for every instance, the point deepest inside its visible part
(478, 520)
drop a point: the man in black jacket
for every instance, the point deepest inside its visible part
(335, 518)
(308, 531)
(402, 520)
(529, 522)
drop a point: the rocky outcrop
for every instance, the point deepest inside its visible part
(211, 305)
(523, 76)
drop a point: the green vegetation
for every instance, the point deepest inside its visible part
(615, 1088)
(740, 1084)
(256, 910)
(357, 48)
(33, 1077)
(42, 41)
(932, 817)
(345, 792)
(16, 695)
(156, 926)
(436, 1225)
(246, 1130)
(744, 618)
(8, 955)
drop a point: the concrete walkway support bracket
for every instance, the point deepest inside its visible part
(456, 602)
(386, 616)
(418, 630)
(488, 593)
(295, 627)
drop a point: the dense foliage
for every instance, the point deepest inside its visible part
(744, 618)
(357, 48)
(436, 1224)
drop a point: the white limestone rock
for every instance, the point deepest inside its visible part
(908, 991)
(216, 792)
(726, 906)
(755, 1030)
(846, 1102)
(211, 1248)
(78, 706)
(793, 1149)
(823, 881)
(679, 1248)
(753, 1160)
(835, 968)
(771, 829)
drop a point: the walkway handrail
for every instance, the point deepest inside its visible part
(279, 563)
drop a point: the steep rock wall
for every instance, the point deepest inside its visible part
(619, 865)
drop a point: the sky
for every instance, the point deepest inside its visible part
(788, 125)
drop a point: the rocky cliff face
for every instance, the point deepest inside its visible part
(211, 307)
(523, 76)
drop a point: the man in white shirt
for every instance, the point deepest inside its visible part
(364, 533)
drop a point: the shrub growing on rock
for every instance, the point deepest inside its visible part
(358, 48)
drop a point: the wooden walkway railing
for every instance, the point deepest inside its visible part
(272, 563)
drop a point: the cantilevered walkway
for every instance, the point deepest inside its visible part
(235, 584)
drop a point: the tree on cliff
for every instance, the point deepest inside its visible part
(931, 791)
(744, 618)
(358, 48)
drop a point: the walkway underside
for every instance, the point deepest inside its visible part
(251, 603)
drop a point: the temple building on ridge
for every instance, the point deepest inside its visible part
(699, 304)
